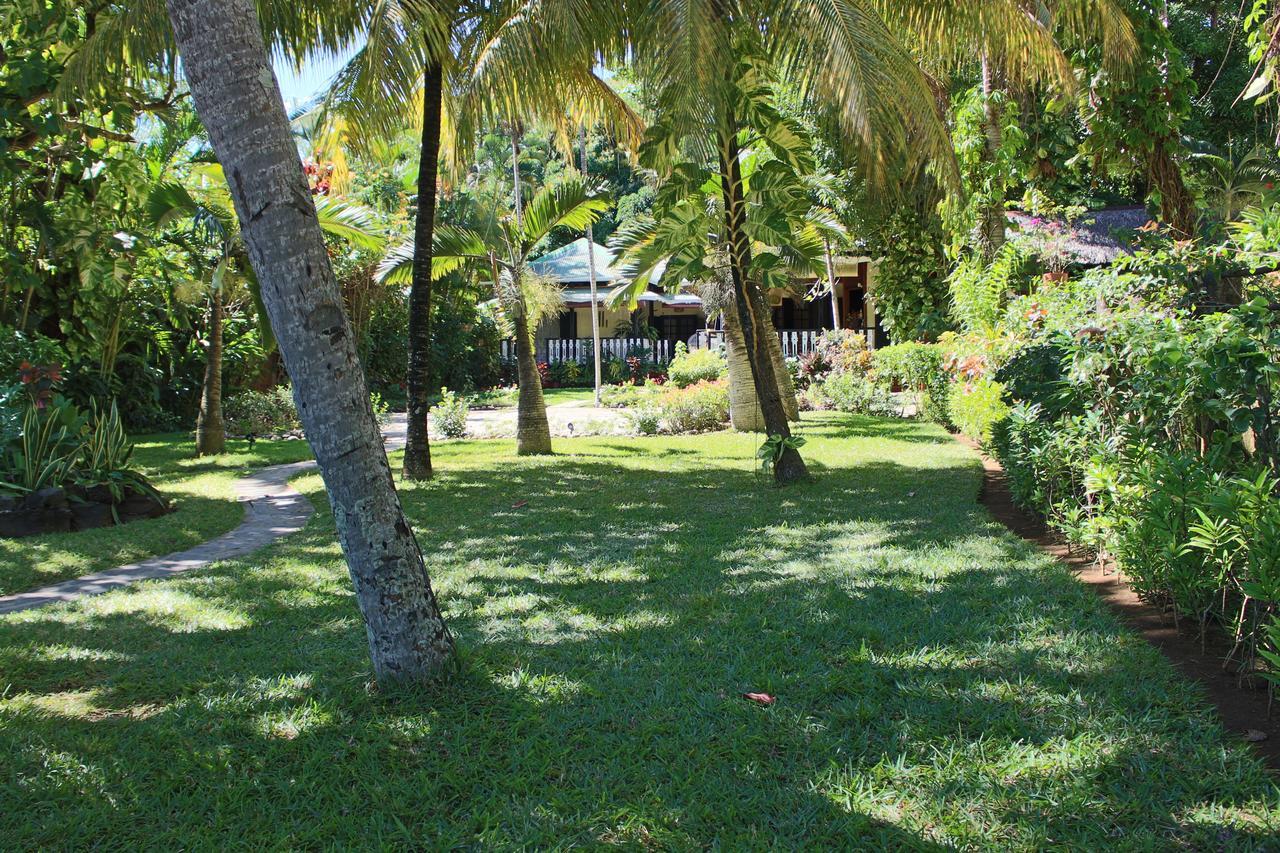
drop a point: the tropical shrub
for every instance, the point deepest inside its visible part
(693, 366)
(259, 413)
(647, 420)
(450, 414)
(977, 407)
(848, 392)
(701, 407)
(920, 370)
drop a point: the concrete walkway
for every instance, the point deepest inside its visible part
(274, 509)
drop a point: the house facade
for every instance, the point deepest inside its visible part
(662, 319)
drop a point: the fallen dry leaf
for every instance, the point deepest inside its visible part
(760, 698)
(519, 504)
(1254, 736)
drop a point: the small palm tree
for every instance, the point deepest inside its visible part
(202, 220)
(500, 253)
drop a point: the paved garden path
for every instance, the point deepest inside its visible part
(274, 509)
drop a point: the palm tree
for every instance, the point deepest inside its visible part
(204, 222)
(226, 64)
(500, 253)
(852, 56)
(458, 67)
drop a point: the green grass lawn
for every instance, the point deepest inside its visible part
(939, 683)
(201, 490)
(553, 396)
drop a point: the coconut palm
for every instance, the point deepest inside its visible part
(227, 63)
(858, 58)
(499, 252)
(455, 68)
(201, 217)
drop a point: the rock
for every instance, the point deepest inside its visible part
(87, 516)
(50, 498)
(1255, 736)
(138, 505)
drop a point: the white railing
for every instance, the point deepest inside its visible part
(795, 342)
(556, 350)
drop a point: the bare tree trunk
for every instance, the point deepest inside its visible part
(533, 432)
(786, 388)
(591, 269)
(238, 100)
(417, 449)
(750, 305)
(211, 432)
(831, 284)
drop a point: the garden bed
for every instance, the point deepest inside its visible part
(70, 509)
(1242, 705)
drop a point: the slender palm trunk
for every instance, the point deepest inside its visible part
(211, 432)
(417, 449)
(533, 432)
(238, 100)
(749, 303)
(991, 218)
(831, 283)
(591, 271)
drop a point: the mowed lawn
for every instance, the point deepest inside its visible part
(939, 683)
(203, 495)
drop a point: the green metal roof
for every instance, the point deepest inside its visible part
(569, 264)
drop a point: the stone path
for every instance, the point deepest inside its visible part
(274, 509)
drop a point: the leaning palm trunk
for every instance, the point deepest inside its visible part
(211, 431)
(533, 432)
(238, 100)
(751, 309)
(786, 388)
(417, 449)
(744, 405)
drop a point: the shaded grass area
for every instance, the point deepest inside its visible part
(939, 682)
(202, 493)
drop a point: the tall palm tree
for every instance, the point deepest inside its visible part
(860, 58)
(235, 92)
(457, 67)
(500, 253)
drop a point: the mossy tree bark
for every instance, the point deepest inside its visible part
(238, 100)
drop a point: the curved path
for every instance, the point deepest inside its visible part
(274, 509)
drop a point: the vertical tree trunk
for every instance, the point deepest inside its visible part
(991, 218)
(533, 432)
(238, 100)
(1177, 205)
(595, 305)
(749, 303)
(211, 432)
(417, 449)
(831, 284)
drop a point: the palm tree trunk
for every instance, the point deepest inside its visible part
(991, 217)
(533, 432)
(238, 100)
(211, 432)
(417, 449)
(786, 388)
(744, 405)
(1177, 205)
(749, 303)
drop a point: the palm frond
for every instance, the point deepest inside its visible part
(568, 202)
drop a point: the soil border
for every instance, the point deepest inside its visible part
(1241, 708)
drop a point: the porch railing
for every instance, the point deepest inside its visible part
(556, 350)
(795, 342)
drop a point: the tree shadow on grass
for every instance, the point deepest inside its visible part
(935, 683)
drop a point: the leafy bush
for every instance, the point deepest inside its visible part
(260, 413)
(977, 407)
(450, 414)
(627, 396)
(701, 407)
(919, 369)
(692, 366)
(847, 392)
(647, 420)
